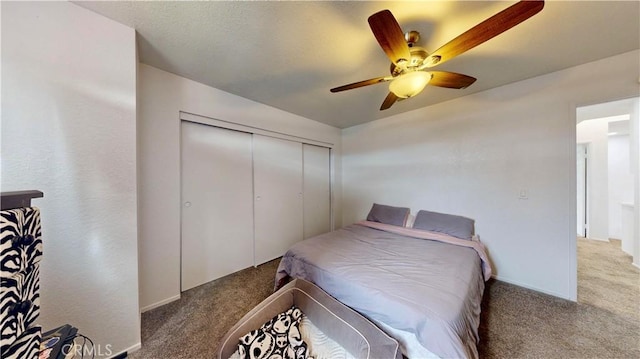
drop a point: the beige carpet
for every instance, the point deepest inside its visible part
(515, 323)
(604, 282)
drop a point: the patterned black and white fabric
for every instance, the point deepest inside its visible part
(279, 338)
(20, 253)
(21, 242)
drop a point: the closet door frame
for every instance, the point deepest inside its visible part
(185, 116)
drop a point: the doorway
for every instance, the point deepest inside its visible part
(604, 171)
(606, 179)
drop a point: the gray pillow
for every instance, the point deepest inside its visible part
(396, 216)
(456, 226)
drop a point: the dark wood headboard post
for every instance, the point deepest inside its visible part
(18, 199)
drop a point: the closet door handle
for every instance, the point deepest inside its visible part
(258, 198)
(187, 204)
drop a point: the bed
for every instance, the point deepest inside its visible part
(422, 285)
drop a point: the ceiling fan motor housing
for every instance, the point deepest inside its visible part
(418, 56)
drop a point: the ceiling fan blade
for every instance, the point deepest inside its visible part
(390, 36)
(491, 27)
(388, 101)
(361, 84)
(450, 80)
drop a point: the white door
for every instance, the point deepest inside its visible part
(317, 190)
(277, 165)
(581, 185)
(217, 203)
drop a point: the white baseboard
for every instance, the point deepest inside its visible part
(510, 281)
(599, 239)
(636, 265)
(160, 303)
(129, 350)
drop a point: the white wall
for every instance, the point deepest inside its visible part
(162, 96)
(594, 132)
(620, 182)
(69, 129)
(472, 156)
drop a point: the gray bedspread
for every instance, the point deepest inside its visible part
(426, 287)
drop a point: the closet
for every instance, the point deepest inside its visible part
(317, 190)
(217, 203)
(247, 197)
(277, 176)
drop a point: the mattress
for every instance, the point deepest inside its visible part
(428, 288)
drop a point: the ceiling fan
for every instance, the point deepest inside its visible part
(410, 64)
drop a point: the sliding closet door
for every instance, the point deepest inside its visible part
(277, 165)
(317, 190)
(217, 203)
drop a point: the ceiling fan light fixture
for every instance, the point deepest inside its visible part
(409, 84)
(409, 62)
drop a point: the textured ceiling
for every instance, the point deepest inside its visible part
(289, 54)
